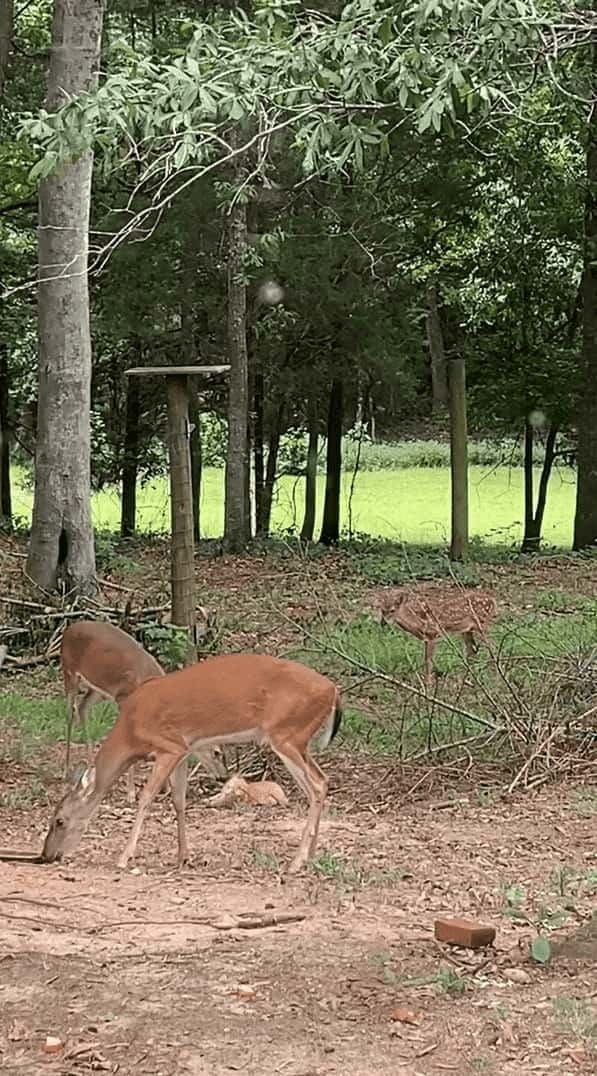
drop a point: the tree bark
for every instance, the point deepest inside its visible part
(533, 517)
(458, 460)
(271, 469)
(5, 487)
(330, 528)
(130, 463)
(308, 526)
(258, 452)
(237, 526)
(437, 353)
(196, 461)
(6, 32)
(61, 548)
(585, 522)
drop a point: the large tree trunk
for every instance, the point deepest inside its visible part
(6, 32)
(5, 489)
(458, 460)
(237, 526)
(61, 533)
(330, 528)
(437, 353)
(308, 526)
(533, 517)
(130, 463)
(585, 522)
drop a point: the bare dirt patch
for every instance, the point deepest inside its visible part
(133, 974)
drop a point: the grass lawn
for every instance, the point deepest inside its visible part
(410, 505)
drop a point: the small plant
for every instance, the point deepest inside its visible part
(169, 643)
(540, 950)
(576, 1016)
(514, 899)
(450, 982)
(263, 860)
(24, 796)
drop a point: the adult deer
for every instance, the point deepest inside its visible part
(102, 662)
(233, 698)
(430, 616)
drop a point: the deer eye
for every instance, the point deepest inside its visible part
(60, 821)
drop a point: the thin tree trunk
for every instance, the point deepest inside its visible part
(258, 453)
(271, 468)
(6, 32)
(529, 493)
(437, 353)
(585, 522)
(458, 460)
(5, 487)
(196, 460)
(534, 524)
(130, 463)
(308, 526)
(61, 548)
(330, 529)
(237, 528)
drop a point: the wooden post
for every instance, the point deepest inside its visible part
(458, 460)
(182, 574)
(181, 506)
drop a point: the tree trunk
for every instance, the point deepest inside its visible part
(437, 353)
(196, 461)
(330, 529)
(182, 578)
(585, 522)
(61, 546)
(308, 526)
(5, 488)
(458, 460)
(533, 518)
(271, 468)
(6, 32)
(258, 453)
(130, 463)
(237, 526)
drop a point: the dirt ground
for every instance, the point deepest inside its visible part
(141, 971)
(154, 971)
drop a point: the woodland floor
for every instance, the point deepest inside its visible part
(135, 972)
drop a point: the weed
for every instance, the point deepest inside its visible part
(169, 643)
(575, 1016)
(584, 802)
(329, 865)
(24, 796)
(264, 860)
(450, 982)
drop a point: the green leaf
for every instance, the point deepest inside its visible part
(540, 950)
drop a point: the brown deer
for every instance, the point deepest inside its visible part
(99, 661)
(232, 698)
(430, 616)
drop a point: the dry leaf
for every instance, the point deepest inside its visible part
(246, 992)
(17, 1031)
(406, 1016)
(577, 1054)
(517, 975)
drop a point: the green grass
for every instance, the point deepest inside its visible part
(43, 720)
(410, 505)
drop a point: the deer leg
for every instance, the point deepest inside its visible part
(470, 644)
(71, 707)
(162, 768)
(430, 645)
(313, 782)
(178, 791)
(131, 792)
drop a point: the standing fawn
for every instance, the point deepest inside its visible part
(233, 698)
(429, 617)
(105, 663)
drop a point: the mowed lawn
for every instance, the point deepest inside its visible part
(410, 505)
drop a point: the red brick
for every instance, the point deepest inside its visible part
(464, 932)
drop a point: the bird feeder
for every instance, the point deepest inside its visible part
(182, 548)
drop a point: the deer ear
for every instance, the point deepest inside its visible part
(84, 780)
